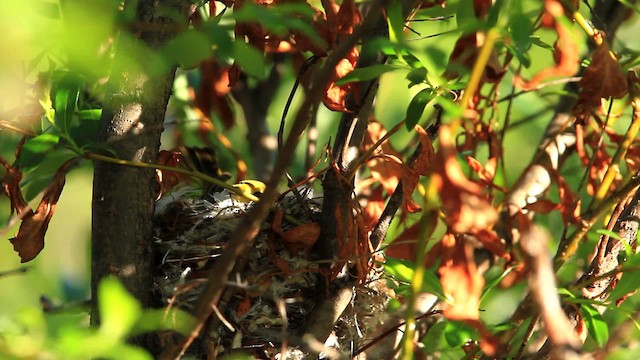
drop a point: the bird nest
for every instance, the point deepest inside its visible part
(277, 286)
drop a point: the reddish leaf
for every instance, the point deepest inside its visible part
(30, 238)
(374, 208)
(386, 169)
(301, 237)
(485, 173)
(404, 246)
(492, 242)
(569, 204)
(306, 234)
(466, 207)
(465, 54)
(341, 21)
(460, 279)
(336, 96)
(212, 93)
(481, 7)
(566, 54)
(168, 179)
(423, 165)
(11, 186)
(542, 206)
(603, 78)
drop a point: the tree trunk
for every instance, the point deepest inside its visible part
(130, 128)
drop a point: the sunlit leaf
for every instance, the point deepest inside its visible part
(36, 149)
(417, 106)
(65, 94)
(609, 233)
(402, 270)
(395, 18)
(458, 333)
(119, 310)
(163, 319)
(596, 325)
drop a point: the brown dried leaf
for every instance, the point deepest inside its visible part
(336, 96)
(404, 246)
(423, 165)
(212, 93)
(374, 208)
(566, 54)
(30, 238)
(463, 201)
(492, 242)
(460, 279)
(306, 234)
(11, 186)
(487, 172)
(168, 179)
(465, 54)
(386, 169)
(603, 78)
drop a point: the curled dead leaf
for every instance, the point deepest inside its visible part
(464, 56)
(603, 78)
(566, 54)
(335, 97)
(460, 279)
(466, 207)
(422, 166)
(11, 187)
(30, 238)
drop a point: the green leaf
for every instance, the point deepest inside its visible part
(609, 233)
(90, 114)
(521, 30)
(119, 310)
(395, 18)
(465, 14)
(458, 333)
(630, 280)
(434, 339)
(86, 133)
(417, 76)
(522, 56)
(366, 73)
(536, 41)
(417, 106)
(65, 94)
(595, 324)
(187, 49)
(161, 319)
(221, 41)
(492, 284)
(251, 60)
(36, 149)
(39, 177)
(281, 19)
(402, 270)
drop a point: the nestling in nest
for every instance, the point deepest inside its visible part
(276, 287)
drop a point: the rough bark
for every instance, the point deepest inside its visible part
(130, 127)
